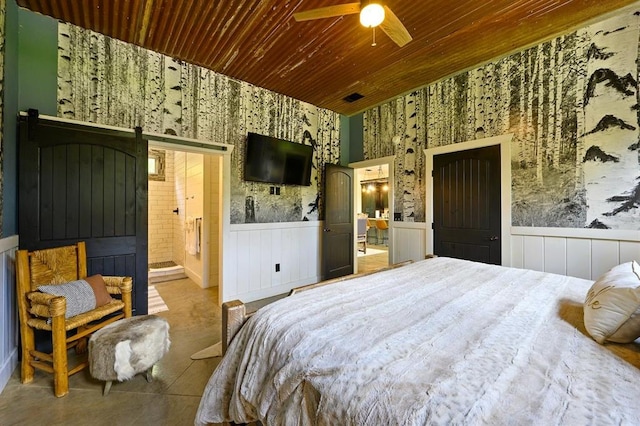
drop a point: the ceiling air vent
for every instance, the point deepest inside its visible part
(353, 97)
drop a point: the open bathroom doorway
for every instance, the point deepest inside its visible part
(185, 202)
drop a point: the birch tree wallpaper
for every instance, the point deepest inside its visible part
(106, 81)
(573, 106)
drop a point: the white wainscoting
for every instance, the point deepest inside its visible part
(251, 252)
(409, 241)
(8, 310)
(582, 253)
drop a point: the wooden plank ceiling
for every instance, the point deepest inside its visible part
(323, 61)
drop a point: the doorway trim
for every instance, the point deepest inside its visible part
(357, 196)
(216, 150)
(505, 187)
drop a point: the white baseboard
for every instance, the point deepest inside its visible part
(197, 278)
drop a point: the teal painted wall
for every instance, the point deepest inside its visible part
(38, 63)
(344, 140)
(31, 70)
(351, 139)
(356, 138)
(9, 157)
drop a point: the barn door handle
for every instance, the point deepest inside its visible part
(494, 238)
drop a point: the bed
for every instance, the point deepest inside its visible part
(439, 341)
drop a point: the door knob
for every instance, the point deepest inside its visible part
(494, 238)
(327, 230)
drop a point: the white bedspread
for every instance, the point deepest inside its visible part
(440, 341)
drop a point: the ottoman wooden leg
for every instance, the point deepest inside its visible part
(149, 374)
(107, 388)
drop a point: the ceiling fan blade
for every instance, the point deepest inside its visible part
(327, 12)
(394, 28)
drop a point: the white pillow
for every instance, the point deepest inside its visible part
(612, 306)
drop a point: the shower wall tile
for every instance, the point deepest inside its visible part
(162, 202)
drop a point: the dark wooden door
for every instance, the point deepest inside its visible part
(466, 200)
(337, 235)
(85, 183)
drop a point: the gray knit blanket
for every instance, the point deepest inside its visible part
(440, 341)
(78, 294)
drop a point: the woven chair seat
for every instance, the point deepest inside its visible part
(82, 319)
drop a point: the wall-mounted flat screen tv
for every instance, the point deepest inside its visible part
(273, 160)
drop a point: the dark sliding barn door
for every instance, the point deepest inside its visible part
(85, 183)
(466, 200)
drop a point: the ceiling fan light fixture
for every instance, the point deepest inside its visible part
(371, 15)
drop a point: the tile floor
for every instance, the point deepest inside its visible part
(172, 397)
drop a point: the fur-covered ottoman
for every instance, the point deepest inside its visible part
(127, 347)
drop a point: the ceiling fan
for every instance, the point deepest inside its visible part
(371, 16)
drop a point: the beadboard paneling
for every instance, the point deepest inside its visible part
(517, 251)
(555, 250)
(8, 311)
(534, 253)
(409, 241)
(296, 246)
(604, 255)
(580, 253)
(579, 258)
(629, 250)
(253, 250)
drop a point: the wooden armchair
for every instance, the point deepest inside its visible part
(44, 311)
